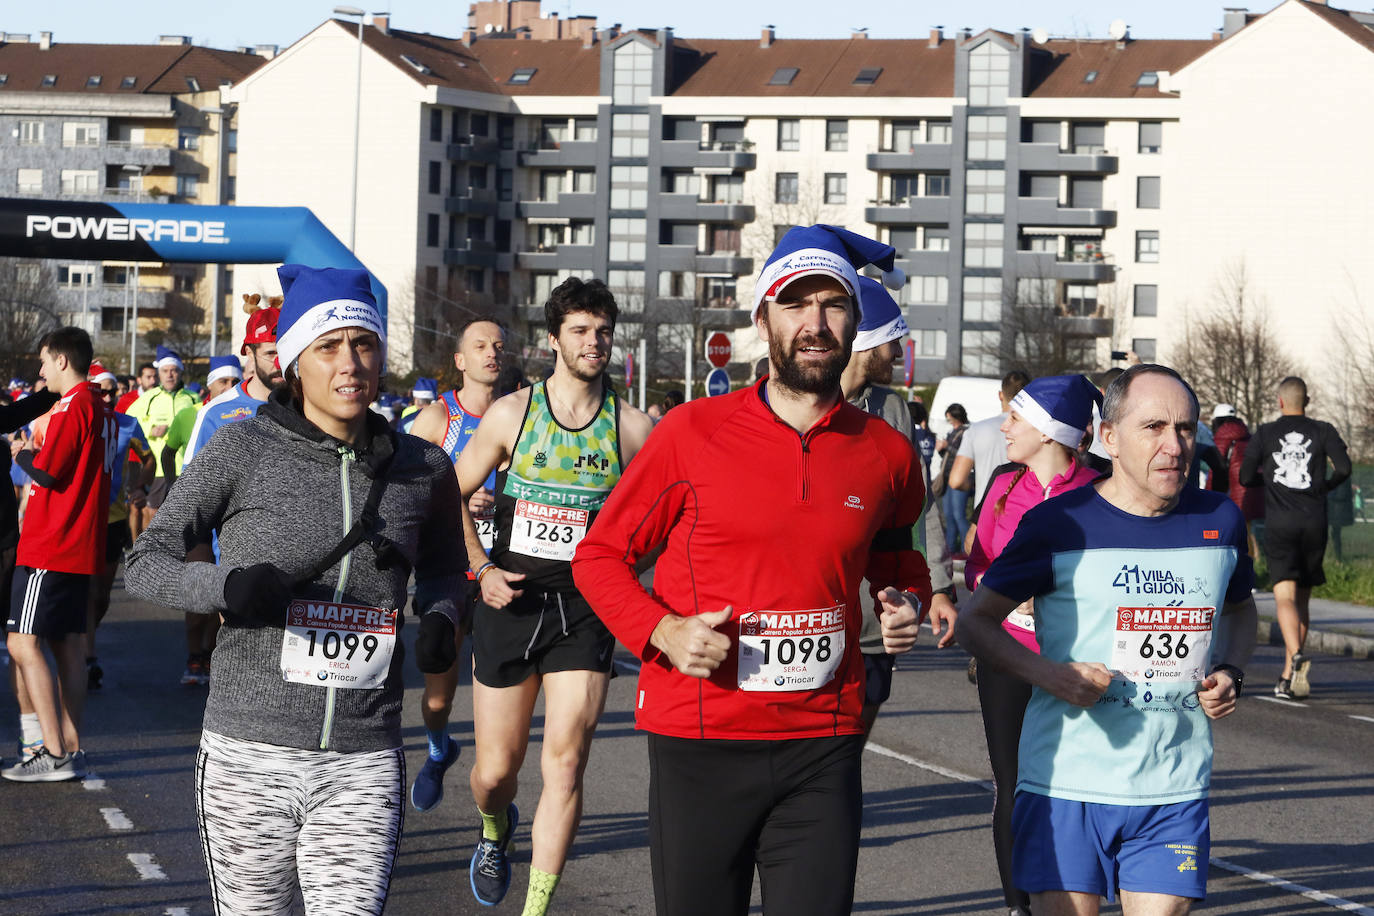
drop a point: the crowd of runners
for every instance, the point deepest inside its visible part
(798, 541)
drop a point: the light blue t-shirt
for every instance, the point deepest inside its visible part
(1144, 597)
(230, 407)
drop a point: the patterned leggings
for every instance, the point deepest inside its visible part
(271, 817)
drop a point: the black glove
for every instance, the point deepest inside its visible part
(435, 648)
(258, 594)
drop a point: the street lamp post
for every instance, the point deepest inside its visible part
(133, 328)
(357, 123)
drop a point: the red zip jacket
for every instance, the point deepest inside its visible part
(772, 523)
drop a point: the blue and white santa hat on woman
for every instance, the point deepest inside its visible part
(425, 389)
(319, 300)
(223, 367)
(166, 356)
(881, 319)
(829, 250)
(1060, 406)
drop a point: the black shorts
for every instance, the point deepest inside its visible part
(47, 603)
(878, 678)
(1295, 552)
(538, 633)
(157, 492)
(117, 538)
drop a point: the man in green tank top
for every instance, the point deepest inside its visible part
(557, 449)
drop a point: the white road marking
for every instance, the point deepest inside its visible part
(93, 783)
(931, 767)
(1339, 903)
(177, 911)
(1282, 702)
(146, 866)
(116, 819)
(1363, 718)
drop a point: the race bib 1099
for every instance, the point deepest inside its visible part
(337, 645)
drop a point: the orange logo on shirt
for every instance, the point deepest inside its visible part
(1211, 534)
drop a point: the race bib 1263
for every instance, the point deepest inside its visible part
(547, 532)
(330, 644)
(790, 650)
(1170, 646)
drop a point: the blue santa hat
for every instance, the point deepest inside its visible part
(881, 319)
(193, 387)
(166, 356)
(426, 388)
(319, 300)
(223, 367)
(830, 250)
(1060, 406)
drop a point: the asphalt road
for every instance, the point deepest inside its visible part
(1293, 800)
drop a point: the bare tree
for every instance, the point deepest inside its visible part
(1349, 378)
(1230, 353)
(188, 330)
(28, 310)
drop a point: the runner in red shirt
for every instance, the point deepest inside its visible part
(61, 550)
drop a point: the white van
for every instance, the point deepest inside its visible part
(978, 395)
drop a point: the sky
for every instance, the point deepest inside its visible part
(281, 22)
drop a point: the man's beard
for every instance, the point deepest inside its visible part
(575, 368)
(268, 374)
(819, 378)
(878, 366)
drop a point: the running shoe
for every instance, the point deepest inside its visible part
(428, 789)
(489, 871)
(191, 675)
(1284, 689)
(1302, 666)
(79, 764)
(41, 767)
(28, 748)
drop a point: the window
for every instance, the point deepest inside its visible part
(1147, 193)
(1147, 247)
(187, 186)
(1040, 186)
(188, 139)
(1080, 299)
(1085, 192)
(476, 280)
(676, 284)
(584, 181)
(783, 76)
(30, 132)
(927, 290)
(940, 132)
(787, 190)
(1036, 292)
(584, 128)
(719, 290)
(629, 135)
(550, 184)
(1146, 300)
(979, 353)
(4, 78)
(582, 232)
(983, 245)
(1089, 137)
(1040, 243)
(789, 134)
(436, 177)
(836, 187)
(936, 238)
(432, 230)
(1147, 78)
(989, 72)
(80, 181)
(436, 124)
(75, 133)
(1040, 132)
(1090, 76)
(629, 187)
(112, 319)
(1085, 249)
(937, 185)
(836, 135)
(982, 299)
(521, 76)
(1144, 347)
(415, 64)
(986, 191)
(868, 76)
(30, 181)
(128, 82)
(192, 84)
(903, 238)
(231, 188)
(552, 132)
(724, 238)
(481, 124)
(505, 131)
(49, 80)
(76, 275)
(987, 137)
(231, 140)
(905, 185)
(929, 343)
(477, 176)
(505, 183)
(92, 82)
(905, 136)
(477, 227)
(633, 74)
(1151, 136)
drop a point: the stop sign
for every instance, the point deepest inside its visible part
(718, 349)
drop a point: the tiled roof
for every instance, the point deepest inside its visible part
(449, 63)
(1344, 22)
(825, 67)
(561, 67)
(156, 69)
(1061, 66)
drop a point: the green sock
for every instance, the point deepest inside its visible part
(494, 826)
(540, 894)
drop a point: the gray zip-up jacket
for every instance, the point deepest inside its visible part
(278, 490)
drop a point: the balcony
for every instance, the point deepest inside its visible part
(919, 157)
(568, 205)
(689, 207)
(1048, 157)
(472, 202)
(676, 257)
(566, 154)
(148, 155)
(1085, 326)
(1047, 265)
(561, 257)
(1046, 211)
(724, 262)
(725, 155)
(473, 253)
(73, 301)
(473, 148)
(924, 263)
(910, 210)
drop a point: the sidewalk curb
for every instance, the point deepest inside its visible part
(1327, 642)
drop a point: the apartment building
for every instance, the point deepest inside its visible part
(140, 123)
(1051, 199)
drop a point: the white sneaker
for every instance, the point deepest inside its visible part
(42, 767)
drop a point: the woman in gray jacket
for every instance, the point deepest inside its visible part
(321, 512)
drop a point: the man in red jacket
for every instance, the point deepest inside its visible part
(771, 504)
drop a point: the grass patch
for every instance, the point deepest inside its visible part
(1352, 581)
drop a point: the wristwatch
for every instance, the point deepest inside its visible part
(1237, 675)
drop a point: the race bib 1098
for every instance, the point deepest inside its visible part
(790, 650)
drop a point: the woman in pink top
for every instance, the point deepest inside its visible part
(1049, 418)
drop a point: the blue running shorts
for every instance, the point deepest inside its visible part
(1092, 848)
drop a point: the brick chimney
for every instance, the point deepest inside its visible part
(469, 36)
(382, 22)
(766, 39)
(588, 39)
(937, 35)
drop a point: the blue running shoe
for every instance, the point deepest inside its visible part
(428, 789)
(489, 872)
